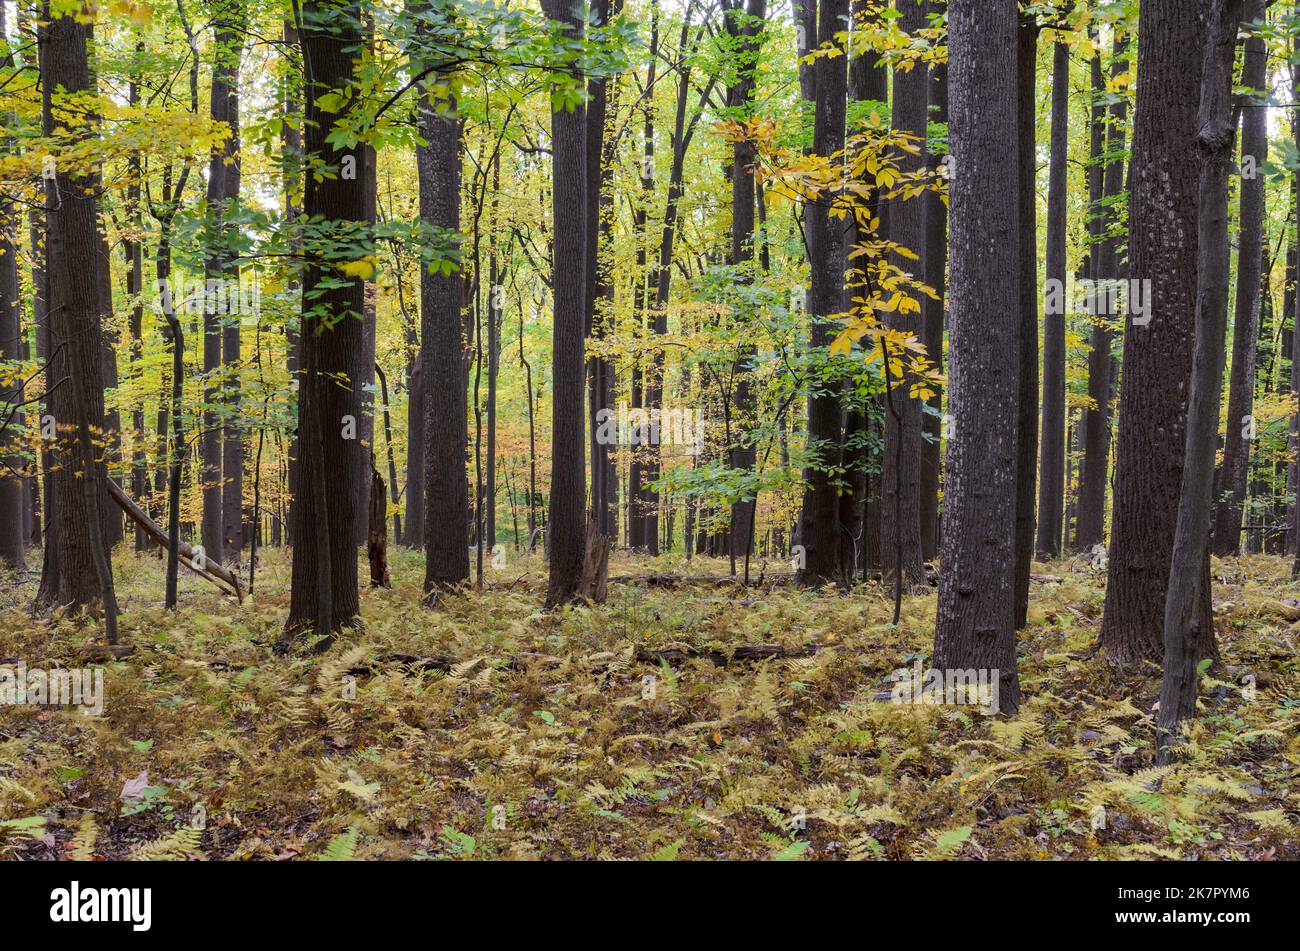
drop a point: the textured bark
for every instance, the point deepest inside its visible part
(1186, 626)
(1027, 413)
(975, 626)
(77, 571)
(446, 514)
(936, 265)
(1051, 479)
(818, 528)
(900, 513)
(1241, 387)
(324, 593)
(11, 417)
(744, 24)
(221, 328)
(565, 526)
(1095, 423)
(1157, 355)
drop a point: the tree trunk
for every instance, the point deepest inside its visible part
(446, 514)
(900, 514)
(1241, 387)
(1051, 484)
(77, 571)
(565, 528)
(818, 528)
(1027, 416)
(323, 594)
(1157, 352)
(975, 626)
(1186, 625)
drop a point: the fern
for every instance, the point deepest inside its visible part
(82, 846)
(178, 846)
(342, 847)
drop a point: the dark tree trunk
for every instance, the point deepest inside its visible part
(1095, 424)
(1187, 627)
(975, 627)
(1051, 484)
(324, 594)
(936, 265)
(414, 527)
(818, 524)
(900, 513)
(565, 527)
(220, 327)
(1241, 387)
(744, 24)
(1157, 354)
(77, 571)
(1027, 416)
(442, 383)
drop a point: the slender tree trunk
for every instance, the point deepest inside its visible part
(936, 265)
(1240, 430)
(976, 613)
(1027, 416)
(1186, 625)
(818, 531)
(1051, 484)
(900, 521)
(1095, 424)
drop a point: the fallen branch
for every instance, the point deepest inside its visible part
(212, 571)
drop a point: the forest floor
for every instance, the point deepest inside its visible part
(547, 737)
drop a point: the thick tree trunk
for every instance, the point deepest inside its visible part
(1240, 431)
(446, 516)
(324, 594)
(565, 528)
(975, 627)
(1186, 626)
(1158, 350)
(1051, 484)
(77, 571)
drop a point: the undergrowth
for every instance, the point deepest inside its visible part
(549, 739)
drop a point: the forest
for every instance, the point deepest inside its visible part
(649, 429)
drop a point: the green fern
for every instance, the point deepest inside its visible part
(342, 847)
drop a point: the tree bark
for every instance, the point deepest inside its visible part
(900, 513)
(1240, 430)
(1027, 415)
(1186, 626)
(975, 625)
(1157, 354)
(1051, 480)
(565, 527)
(818, 530)
(324, 596)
